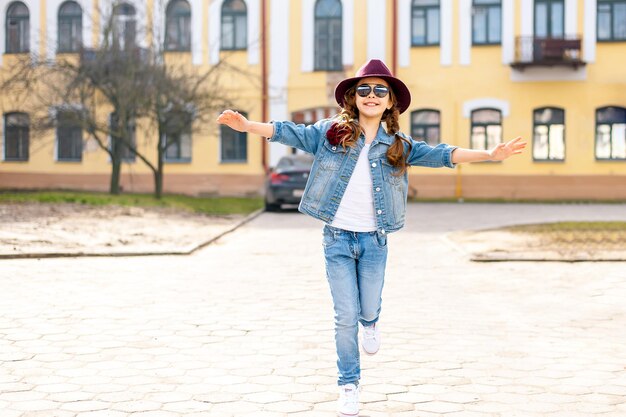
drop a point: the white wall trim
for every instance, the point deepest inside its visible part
(527, 18)
(254, 32)
(534, 74)
(278, 70)
(376, 19)
(34, 15)
(404, 33)
(571, 17)
(590, 32)
(465, 32)
(486, 102)
(508, 31)
(308, 45)
(140, 13)
(215, 21)
(52, 24)
(446, 32)
(347, 32)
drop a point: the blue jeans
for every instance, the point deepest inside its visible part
(355, 268)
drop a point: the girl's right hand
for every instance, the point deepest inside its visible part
(234, 120)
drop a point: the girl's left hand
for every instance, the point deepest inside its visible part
(504, 150)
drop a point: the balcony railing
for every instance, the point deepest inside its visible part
(533, 51)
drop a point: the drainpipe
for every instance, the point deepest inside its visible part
(394, 37)
(264, 88)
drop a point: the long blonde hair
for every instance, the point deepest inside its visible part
(348, 122)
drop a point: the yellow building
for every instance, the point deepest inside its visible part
(480, 72)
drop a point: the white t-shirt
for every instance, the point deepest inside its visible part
(356, 209)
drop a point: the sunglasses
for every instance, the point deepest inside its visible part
(380, 90)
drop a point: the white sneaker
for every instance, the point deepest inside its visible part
(370, 340)
(348, 403)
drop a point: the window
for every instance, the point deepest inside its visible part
(549, 18)
(178, 26)
(69, 137)
(486, 22)
(328, 35)
(234, 25)
(16, 133)
(70, 36)
(549, 134)
(124, 26)
(486, 128)
(425, 22)
(612, 20)
(611, 133)
(234, 145)
(17, 28)
(126, 153)
(425, 125)
(177, 138)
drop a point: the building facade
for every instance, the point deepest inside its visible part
(480, 72)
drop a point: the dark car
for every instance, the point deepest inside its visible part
(285, 183)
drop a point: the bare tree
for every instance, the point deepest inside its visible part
(132, 83)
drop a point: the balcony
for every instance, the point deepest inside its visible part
(531, 51)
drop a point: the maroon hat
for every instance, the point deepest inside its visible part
(376, 68)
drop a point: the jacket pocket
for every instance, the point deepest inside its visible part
(331, 157)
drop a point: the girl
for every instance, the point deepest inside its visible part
(358, 188)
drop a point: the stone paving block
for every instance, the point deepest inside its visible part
(388, 406)
(265, 397)
(136, 405)
(103, 413)
(312, 397)
(34, 405)
(288, 406)
(87, 405)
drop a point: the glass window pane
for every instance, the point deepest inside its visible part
(480, 25)
(494, 24)
(619, 21)
(618, 140)
(426, 2)
(432, 135)
(433, 26)
(328, 8)
(228, 35)
(486, 116)
(425, 117)
(603, 141)
(557, 20)
(478, 137)
(557, 142)
(611, 115)
(185, 145)
(240, 32)
(419, 28)
(494, 135)
(541, 20)
(604, 22)
(540, 142)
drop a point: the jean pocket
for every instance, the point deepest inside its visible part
(329, 237)
(380, 240)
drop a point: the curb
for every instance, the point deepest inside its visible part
(186, 251)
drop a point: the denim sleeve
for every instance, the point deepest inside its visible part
(422, 154)
(307, 138)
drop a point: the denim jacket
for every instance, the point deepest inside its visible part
(333, 166)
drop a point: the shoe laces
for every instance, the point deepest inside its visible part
(369, 332)
(349, 393)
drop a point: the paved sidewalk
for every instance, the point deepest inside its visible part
(244, 328)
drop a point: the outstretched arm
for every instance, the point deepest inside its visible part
(238, 122)
(498, 153)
